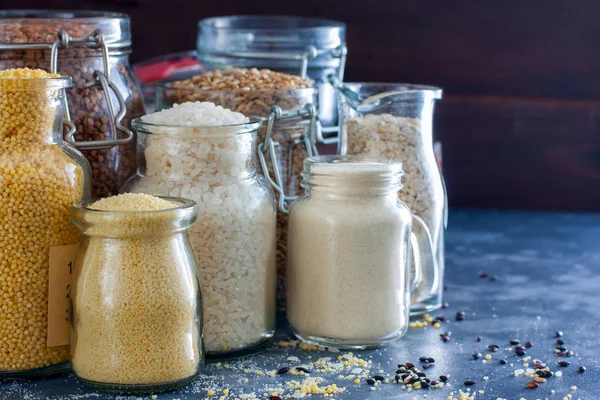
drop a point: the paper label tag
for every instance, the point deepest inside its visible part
(62, 260)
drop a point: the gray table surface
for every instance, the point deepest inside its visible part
(548, 278)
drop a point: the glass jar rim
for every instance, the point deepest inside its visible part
(252, 126)
(235, 36)
(114, 25)
(284, 23)
(32, 84)
(303, 91)
(412, 90)
(183, 204)
(137, 223)
(352, 163)
(358, 171)
(38, 14)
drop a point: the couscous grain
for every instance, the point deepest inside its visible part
(135, 294)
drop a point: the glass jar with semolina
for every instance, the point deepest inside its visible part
(136, 323)
(40, 177)
(350, 250)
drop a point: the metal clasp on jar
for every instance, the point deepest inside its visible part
(308, 141)
(310, 53)
(101, 78)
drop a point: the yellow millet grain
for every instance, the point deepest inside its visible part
(135, 301)
(38, 182)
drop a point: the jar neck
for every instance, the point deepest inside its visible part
(358, 177)
(343, 189)
(135, 224)
(42, 127)
(197, 157)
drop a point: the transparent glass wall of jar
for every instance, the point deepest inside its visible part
(349, 248)
(80, 54)
(287, 44)
(234, 239)
(136, 311)
(40, 177)
(290, 135)
(395, 121)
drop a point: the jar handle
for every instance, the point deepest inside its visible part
(269, 146)
(416, 259)
(425, 262)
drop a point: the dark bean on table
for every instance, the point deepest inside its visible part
(564, 363)
(283, 370)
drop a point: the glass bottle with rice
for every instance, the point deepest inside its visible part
(206, 153)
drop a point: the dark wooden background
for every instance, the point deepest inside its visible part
(520, 119)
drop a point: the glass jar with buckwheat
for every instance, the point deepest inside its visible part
(89, 44)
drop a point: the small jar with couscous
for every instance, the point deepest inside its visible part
(136, 323)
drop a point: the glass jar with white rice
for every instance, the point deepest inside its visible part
(206, 153)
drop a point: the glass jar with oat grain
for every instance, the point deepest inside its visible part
(93, 48)
(293, 131)
(307, 47)
(40, 177)
(396, 121)
(136, 311)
